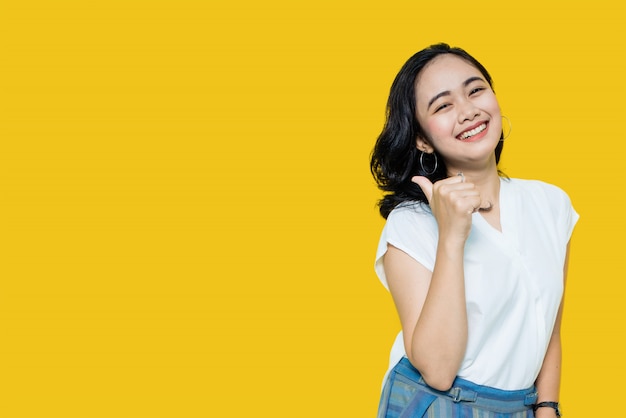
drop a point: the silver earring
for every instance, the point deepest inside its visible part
(428, 173)
(510, 128)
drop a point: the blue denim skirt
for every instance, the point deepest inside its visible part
(406, 395)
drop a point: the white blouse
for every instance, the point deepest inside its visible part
(513, 278)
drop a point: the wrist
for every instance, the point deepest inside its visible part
(548, 409)
(452, 244)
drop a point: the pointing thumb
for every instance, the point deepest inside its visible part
(425, 185)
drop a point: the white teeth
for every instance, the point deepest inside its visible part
(473, 132)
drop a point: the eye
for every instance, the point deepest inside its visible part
(476, 90)
(441, 107)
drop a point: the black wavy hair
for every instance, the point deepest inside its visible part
(395, 157)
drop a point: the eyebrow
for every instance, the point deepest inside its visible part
(447, 92)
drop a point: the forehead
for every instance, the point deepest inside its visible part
(444, 73)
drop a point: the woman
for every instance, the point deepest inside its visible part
(475, 262)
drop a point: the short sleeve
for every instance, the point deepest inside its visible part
(411, 229)
(568, 217)
(565, 216)
(560, 215)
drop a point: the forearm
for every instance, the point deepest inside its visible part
(549, 379)
(439, 339)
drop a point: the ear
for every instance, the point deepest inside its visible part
(423, 145)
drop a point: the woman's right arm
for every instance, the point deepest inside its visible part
(431, 305)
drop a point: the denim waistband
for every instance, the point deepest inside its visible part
(466, 391)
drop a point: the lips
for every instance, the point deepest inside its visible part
(472, 131)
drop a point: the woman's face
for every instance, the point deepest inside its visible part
(458, 112)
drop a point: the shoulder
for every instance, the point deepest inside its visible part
(533, 185)
(409, 211)
(538, 190)
(410, 218)
(543, 201)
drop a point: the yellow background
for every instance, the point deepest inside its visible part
(187, 218)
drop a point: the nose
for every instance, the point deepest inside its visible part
(468, 111)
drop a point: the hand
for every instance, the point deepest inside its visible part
(452, 202)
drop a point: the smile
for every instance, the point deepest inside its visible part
(468, 134)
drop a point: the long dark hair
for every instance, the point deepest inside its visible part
(395, 158)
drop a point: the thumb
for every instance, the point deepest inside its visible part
(425, 185)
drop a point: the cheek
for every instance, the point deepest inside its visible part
(438, 127)
(496, 115)
(490, 103)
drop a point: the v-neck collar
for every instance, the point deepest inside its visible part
(505, 211)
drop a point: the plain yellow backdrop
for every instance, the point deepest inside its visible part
(187, 218)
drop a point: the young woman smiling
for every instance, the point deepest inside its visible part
(475, 262)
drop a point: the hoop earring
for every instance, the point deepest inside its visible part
(428, 173)
(510, 129)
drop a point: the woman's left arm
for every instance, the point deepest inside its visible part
(549, 380)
